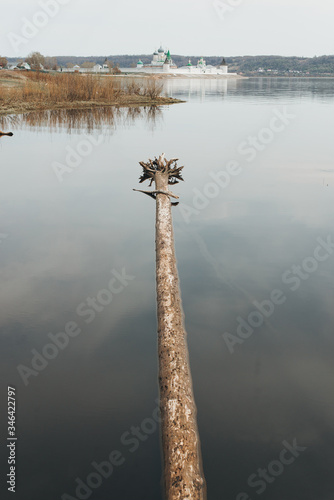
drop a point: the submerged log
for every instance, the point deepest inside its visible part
(183, 474)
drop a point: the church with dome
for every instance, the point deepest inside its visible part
(162, 62)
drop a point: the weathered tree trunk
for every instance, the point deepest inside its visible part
(183, 473)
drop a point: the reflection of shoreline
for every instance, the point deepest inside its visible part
(199, 87)
(81, 120)
(169, 76)
(261, 88)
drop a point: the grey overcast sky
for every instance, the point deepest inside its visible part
(187, 27)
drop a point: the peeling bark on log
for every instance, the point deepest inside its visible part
(183, 473)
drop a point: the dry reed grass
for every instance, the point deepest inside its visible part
(46, 90)
(150, 87)
(50, 89)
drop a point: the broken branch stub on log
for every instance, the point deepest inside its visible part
(183, 473)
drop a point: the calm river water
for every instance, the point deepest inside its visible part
(254, 241)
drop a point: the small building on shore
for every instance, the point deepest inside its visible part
(95, 68)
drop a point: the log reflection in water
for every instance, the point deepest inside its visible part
(104, 119)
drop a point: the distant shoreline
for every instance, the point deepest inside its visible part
(294, 77)
(165, 76)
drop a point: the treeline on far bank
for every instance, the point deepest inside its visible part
(246, 65)
(305, 66)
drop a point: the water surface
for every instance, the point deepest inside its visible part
(258, 196)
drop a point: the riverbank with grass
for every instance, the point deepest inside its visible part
(22, 92)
